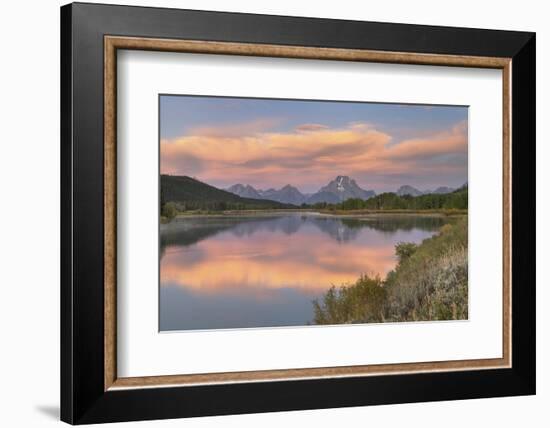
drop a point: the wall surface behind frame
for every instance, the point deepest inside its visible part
(29, 225)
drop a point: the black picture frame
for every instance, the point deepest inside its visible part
(83, 398)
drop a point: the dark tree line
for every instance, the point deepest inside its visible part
(391, 201)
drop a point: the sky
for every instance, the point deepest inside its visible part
(269, 143)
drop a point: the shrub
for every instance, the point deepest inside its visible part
(403, 250)
(360, 302)
(169, 210)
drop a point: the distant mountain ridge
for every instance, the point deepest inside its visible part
(337, 190)
(443, 190)
(287, 194)
(194, 192)
(413, 191)
(340, 189)
(184, 193)
(408, 190)
(244, 191)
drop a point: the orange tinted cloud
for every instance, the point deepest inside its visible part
(452, 141)
(312, 154)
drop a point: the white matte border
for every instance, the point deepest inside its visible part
(143, 351)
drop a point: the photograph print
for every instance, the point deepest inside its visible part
(280, 212)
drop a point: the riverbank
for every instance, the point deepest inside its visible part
(441, 212)
(430, 282)
(339, 213)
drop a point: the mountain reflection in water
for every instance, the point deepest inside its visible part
(264, 271)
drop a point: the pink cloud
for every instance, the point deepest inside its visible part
(308, 127)
(312, 154)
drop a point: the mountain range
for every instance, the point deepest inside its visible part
(287, 194)
(413, 191)
(337, 190)
(195, 194)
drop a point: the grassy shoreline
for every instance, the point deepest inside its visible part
(430, 282)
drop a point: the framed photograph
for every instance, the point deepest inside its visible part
(266, 213)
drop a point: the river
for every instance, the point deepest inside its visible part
(264, 270)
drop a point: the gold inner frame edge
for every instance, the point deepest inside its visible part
(113, 43)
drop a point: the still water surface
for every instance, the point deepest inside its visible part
(265, 270)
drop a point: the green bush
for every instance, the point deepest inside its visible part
(403, 250)
(169, 210)
(360, 302)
